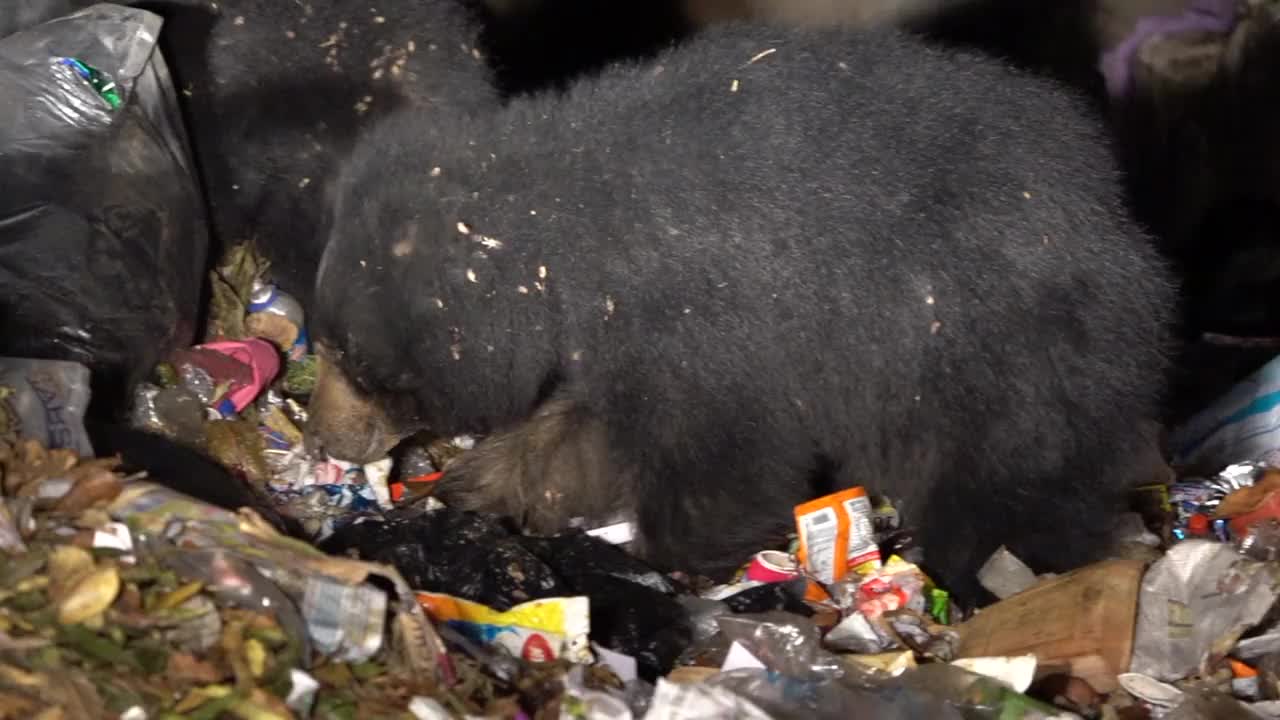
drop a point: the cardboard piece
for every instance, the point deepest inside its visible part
(1080, 624)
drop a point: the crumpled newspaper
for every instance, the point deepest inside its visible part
(1195, 603)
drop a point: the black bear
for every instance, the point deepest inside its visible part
(770, 264)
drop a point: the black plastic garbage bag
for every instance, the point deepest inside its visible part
(102, 227)
(633, 608)
(467, 555)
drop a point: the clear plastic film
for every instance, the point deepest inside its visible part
(801, 679)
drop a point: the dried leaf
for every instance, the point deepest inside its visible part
(67, 565)
(173, 599)
(95, 487)
(93, 646)
(238, 445)
(185, 667)
(91, 596)
(232, 283)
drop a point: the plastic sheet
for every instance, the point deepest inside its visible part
(786, 644)
(102, 228)
(802, 679)
(784, 697)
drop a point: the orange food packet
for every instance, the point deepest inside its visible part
(836, 537)
(1240, 669)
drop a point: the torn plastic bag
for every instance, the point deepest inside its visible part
(798, 677)
(102, 226)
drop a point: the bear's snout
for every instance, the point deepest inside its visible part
(344, 422)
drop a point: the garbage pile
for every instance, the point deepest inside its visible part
(126, 598)
(121, 597)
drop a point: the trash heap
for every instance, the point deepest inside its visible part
(121, 597)
(126, 598)
(240, 397)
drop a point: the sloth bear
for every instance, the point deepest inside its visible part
(769, 264)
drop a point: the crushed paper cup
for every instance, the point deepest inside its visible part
(772, 566)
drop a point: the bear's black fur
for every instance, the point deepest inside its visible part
(768, 265)
(276, 92)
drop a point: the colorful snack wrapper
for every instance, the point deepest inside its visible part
(836, 535)
(537, 631)
(898, 584)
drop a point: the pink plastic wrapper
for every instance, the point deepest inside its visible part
(263, 361)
